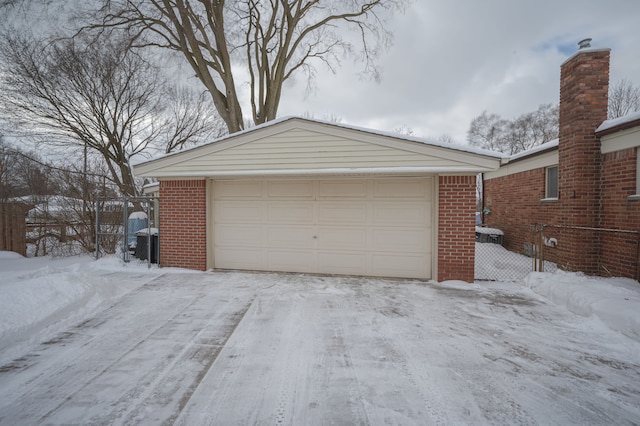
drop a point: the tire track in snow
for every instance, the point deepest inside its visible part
(339, 352)
(155, 395)
(73, 381)
(221, 396)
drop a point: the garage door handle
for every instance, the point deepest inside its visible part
(315, 237)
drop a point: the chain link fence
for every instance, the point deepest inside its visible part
(511, 252)
(508, 253)
(128, 226)
(594, 251)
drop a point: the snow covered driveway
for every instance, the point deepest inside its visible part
(233, 348)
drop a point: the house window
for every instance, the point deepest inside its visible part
(552, 182)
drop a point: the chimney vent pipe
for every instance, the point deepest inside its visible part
(585, 44)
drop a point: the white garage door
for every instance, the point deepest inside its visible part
(375, 227)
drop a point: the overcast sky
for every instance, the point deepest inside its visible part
(452, 59)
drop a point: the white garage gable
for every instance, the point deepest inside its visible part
(297, 146)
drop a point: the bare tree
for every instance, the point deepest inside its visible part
(403, 130)
(270, 40)
(487, 131)
(99, 96)
(6, 172)
(189, 119)
(446, 138)
(624, 98)
(490, 131)
(532, 129)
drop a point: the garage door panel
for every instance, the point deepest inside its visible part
(342, 189)
(399, 240)
(343, 263)
(345, 213)
(401, 266)
(288, 212)
(406, 189)
(238, 189)
(240, 258)
(291, 237)
(401, 214)
(342, 238)
(238, 211)
(239, 235)
(290, 260)
(301, 189)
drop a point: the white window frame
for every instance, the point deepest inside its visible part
(547, 196)
(636, 196)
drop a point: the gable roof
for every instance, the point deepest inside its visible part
(293, 145)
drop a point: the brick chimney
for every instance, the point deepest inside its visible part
(584, 89)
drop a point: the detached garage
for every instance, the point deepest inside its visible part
(298, 195)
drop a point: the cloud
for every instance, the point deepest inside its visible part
(452, 60)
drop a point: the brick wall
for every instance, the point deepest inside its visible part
(456, 228)
(618, 183)
(515, 203)
(620, 251)
(183, 225)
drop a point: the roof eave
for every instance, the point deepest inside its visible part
(323, 172)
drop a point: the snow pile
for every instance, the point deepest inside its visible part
(41, 296)
(613, 301)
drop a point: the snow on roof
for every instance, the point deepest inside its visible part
(457, 147)
(542, 147)
(615, 122)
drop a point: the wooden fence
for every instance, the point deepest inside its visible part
(13, 227)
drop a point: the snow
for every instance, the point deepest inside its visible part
(614, 302)
(138, 215)
(104, 342)
(488, 231)
(536, 149)
(147, 231)
(614, 122)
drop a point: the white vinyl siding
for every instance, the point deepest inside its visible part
(374, 227)
(303, 150)
(296, 147)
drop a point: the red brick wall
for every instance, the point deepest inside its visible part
(620, 251)
(183, 224)
(456, 228)
(618, 183)
(515, 204)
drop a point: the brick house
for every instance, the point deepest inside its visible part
(584, 187)
(299, 195)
